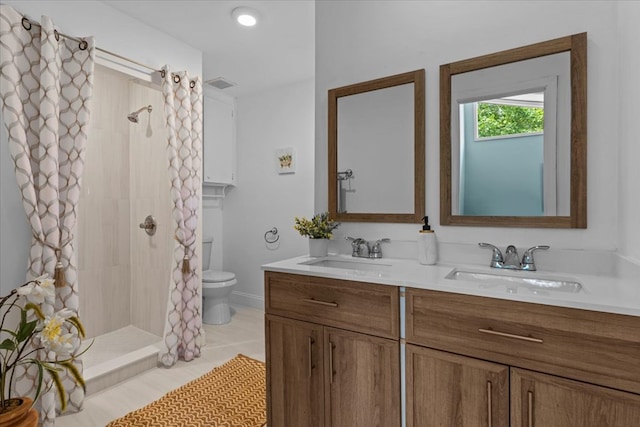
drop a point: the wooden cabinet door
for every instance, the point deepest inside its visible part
(445, 389)
(362, 380)
(540, 400)
(295, 376)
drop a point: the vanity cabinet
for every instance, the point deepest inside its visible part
(443, 387)
(295, 372)
(567, 367)
(332, 352)
(545, 400)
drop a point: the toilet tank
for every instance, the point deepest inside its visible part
(207, 242)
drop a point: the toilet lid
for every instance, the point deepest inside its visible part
(217, 276)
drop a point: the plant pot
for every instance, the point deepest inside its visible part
(19, 413)
(318, 247)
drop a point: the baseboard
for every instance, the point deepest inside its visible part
(248, 300)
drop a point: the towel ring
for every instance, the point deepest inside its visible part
(271, 236)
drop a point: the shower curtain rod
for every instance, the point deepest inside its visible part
(27, 23)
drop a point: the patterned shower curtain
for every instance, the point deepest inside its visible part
(183, 113)
(46, 82)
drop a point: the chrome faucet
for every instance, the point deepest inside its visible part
(528, 263)
(357, 246)
(363, 249)
(375, 251)
(510, 260)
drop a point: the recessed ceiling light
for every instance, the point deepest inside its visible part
(245, 16)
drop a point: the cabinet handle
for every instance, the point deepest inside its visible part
(530, 409)
(319, 302)
(507, 335)
(489, 405)
(331, 347)
(311, 341)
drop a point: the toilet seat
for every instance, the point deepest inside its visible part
(218, 279)
(217, 276)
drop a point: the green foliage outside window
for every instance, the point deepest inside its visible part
(497, 119)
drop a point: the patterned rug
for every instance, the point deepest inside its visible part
(231, 395)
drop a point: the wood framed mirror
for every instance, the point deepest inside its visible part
(376, 139)
(524, 177)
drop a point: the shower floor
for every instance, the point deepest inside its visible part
(119, 355)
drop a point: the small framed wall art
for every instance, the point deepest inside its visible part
(286, 160)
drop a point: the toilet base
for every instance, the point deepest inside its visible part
(216, 312)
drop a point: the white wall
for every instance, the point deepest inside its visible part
(362, 40)
(629, 32)
(113, 31)
(212, 226)
(278, 118)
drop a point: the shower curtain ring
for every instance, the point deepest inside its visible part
(83, 45)
(25, 22)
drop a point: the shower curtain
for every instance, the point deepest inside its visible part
(45, 84)
(183, 113)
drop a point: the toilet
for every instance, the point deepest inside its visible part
(216, 289)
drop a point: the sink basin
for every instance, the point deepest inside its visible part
(347, 264)
(513, 282)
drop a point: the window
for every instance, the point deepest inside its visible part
(510, 116)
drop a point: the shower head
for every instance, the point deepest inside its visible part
(133, 117)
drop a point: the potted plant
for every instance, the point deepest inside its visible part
(29, 323)
(318, 229)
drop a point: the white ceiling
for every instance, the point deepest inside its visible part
(277, 51)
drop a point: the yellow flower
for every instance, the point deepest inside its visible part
(318, 227)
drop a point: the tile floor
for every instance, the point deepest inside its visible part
(244, 334)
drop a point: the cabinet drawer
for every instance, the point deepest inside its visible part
(361, 307)
(602, 348)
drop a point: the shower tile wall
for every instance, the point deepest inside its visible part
(123, 273)
(103, 216)
(151, 256)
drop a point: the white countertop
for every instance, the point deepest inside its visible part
(599, 293)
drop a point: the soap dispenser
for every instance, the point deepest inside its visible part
(427, 246)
